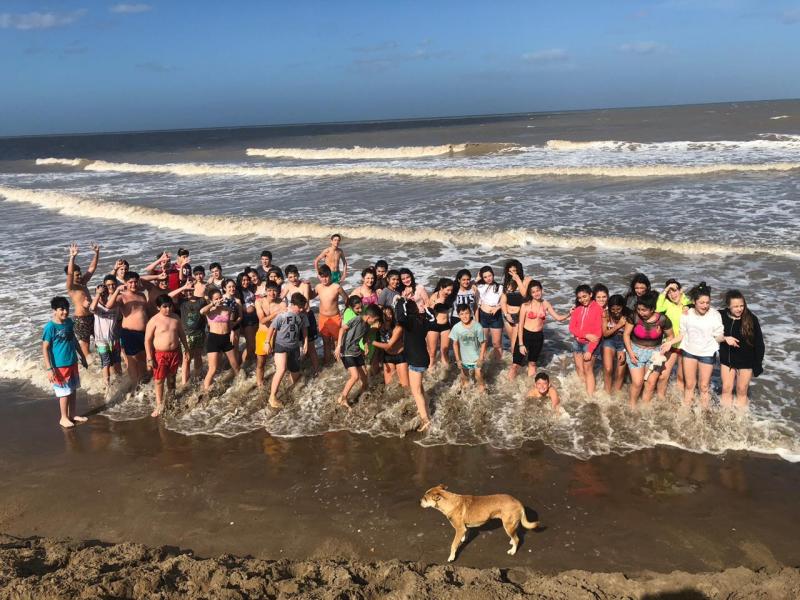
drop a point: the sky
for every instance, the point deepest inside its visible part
(87, 66)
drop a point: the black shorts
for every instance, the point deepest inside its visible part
(218, 342)
(533, 341)
(353, 361)
(439, 327)
(313, 330)
(249, 319)
(394, 359)
(292, 358)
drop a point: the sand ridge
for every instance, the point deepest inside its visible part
(44, 568)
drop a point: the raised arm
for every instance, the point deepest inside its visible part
(112, 299)
(73, 252)
(92, 265)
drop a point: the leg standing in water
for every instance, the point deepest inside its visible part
(614, 321)
(530, 333)
(162, 341)
(741, 353)
(701, 333)
(586, 325)
(415, 329)
(490, 313)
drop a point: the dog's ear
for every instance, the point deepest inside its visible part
(442, 486)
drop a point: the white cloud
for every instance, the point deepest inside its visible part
(130, 9)
(38, 20)
(642, 47)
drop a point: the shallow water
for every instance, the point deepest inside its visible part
(697, 193)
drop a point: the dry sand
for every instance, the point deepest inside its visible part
(45, 568)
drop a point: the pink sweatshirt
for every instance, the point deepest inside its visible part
(587, 320)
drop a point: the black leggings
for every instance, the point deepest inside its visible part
(533, 341)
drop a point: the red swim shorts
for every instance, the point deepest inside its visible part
(167, 364)
(329, 325)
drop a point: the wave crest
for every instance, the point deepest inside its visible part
(233, 226)
(649, 170)
(357, 152)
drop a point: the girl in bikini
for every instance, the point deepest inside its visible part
(438, 312)
(249, 325)
(515, 287)
(614, 321)
(219, 317)
(391, 342)
(647, 334)
(530, 333)
(231, 299)
(366, 290)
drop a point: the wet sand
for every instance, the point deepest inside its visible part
(357, 498)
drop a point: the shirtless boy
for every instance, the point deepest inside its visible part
(267, 308)
(333, 256)
(162, 341)
(543, 390)
(330, 321)
(296, 285)
(78, 292)
(133, 305)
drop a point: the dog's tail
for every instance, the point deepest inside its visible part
(524, 520)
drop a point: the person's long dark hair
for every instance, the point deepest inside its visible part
(748, 327)
(637, 278)
(488, 269)
(509, 284)
(413, 285)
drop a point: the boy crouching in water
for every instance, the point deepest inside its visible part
(543, 390)
(350, 352)
(163, 338)
(288, 339)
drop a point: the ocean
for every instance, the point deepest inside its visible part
(700, 193)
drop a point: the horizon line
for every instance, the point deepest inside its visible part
(408, 120)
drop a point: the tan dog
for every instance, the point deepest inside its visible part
(474, 511)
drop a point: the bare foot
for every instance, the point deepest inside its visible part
(275, 403)
(155, 412)
(66, 423)
(342, 401)
(426, 423)
(79, 419)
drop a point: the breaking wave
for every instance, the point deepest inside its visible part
(785, 142)
(62, 162)
(489, 172)
(357, 152)
(502, 418)
(232, 226)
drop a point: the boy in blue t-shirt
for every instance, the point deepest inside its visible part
(60, 350)
(469, 346)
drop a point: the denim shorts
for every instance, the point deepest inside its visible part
(417, 369)
(643, 356)
(616, 342)
(706, 360)
(489, 321)
(583, 347)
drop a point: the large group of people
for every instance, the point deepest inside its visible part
(165, 319)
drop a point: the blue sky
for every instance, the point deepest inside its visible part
(72, 66)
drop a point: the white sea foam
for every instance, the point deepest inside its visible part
(232, 226)
(772, 142)
(503, 418)
(64, 162)
(488, 172)
(357, 152)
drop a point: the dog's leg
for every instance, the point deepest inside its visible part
(461, 533)
(511, 530)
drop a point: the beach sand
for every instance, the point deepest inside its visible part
(338, 515)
